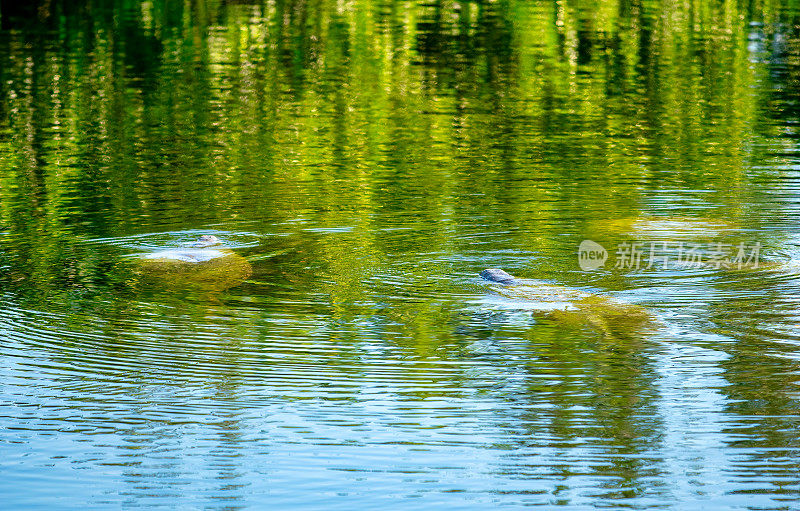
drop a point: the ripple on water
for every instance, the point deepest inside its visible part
(175, 239)
(475, 396)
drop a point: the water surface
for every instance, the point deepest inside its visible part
(368, 159)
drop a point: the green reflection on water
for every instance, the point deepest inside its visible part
(532, 117)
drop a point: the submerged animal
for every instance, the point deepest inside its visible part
(205, 264)
(610, 317)
(665, 227)
(199, 252)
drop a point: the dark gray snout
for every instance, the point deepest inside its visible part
(497, 275)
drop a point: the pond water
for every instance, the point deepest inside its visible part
(366, 160)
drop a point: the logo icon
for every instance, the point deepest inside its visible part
(591, 255)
